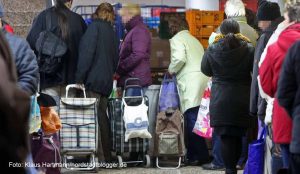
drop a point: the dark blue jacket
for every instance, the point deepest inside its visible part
(26, 63)
(288, 92)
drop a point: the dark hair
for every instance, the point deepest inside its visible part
(293, 10)
(229, 28)
(105, 11)
(177, 24)
(61, 10)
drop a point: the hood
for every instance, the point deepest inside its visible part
(134, 22)
(288, 37)
(228, 57)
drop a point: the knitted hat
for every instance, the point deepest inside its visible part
(1, 10)
(268, 11)
(235, 8)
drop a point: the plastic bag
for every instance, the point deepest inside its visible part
(202, 125)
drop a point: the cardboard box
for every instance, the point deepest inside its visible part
(160, 53)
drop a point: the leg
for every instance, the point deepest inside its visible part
(231, 151)
(216, 151)
(100, 153)
(244, 152)
(104, 128)
(197, 149)
(285, 153)
(294, 164)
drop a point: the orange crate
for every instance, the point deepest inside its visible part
(207, 17)
(204, 42)
(206, 30)
(218, 17)
(193, 16)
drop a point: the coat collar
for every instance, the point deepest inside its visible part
(239, 19)
(134, 22)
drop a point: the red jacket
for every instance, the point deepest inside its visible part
(269, 74)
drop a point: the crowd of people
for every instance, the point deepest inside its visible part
(255, 84)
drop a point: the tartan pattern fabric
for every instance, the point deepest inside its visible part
(118, 131)
(79, 123)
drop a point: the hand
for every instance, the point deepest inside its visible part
(80, 86)
(277, 149)
(116, 76)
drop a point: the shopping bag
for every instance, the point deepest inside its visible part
(169, 97)
(51, 122)
(136, 121)
(202, 125)
(35, 116)
(256, 153)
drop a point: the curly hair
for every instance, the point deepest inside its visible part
(105, 11)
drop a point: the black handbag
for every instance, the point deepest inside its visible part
(51, 49)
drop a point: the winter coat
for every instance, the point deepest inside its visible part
(98, 57)
(245, 30)
(77, 27)
(288, 92)
(186, 56)
(135, 53)
(14, 111)
(25, 59)
(258, 105)
(231, 80)
(269, 75)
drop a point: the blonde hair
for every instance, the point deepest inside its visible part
(132, 9)
(105, 11)
(235, 8)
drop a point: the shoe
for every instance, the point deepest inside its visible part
(193, 163)
(239, 167)
(211, 166)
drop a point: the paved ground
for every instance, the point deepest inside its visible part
(183, 170)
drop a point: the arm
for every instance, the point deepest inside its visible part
(87, 50)
(38, 26)
(266, 74)
(178, 56)
(27, 67)
(205, 65)
(287, 85)
(140, 45)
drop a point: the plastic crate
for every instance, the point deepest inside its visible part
(218, 17)
(204, 42)
(193, 17)
(207, 17)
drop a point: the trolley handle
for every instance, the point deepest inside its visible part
(132, 80)
(68, 87)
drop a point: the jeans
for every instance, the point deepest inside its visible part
(285, 152)
(196, 145)
(216, 151)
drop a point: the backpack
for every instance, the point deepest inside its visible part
(51, 50)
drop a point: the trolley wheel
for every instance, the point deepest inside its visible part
(120, 162)
(147, 161)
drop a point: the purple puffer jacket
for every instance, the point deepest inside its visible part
(135, 53)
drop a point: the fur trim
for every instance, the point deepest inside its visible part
(238, 35)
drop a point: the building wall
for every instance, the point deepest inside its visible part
(20, 13)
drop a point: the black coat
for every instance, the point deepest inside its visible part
(258, 105)
(288, 92)
(230, 70)
(77, 28)
(98, 58)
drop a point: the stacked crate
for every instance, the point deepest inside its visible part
(203, 23)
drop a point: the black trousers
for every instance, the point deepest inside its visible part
(104, 140)
(231, 148)
(294, 164)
